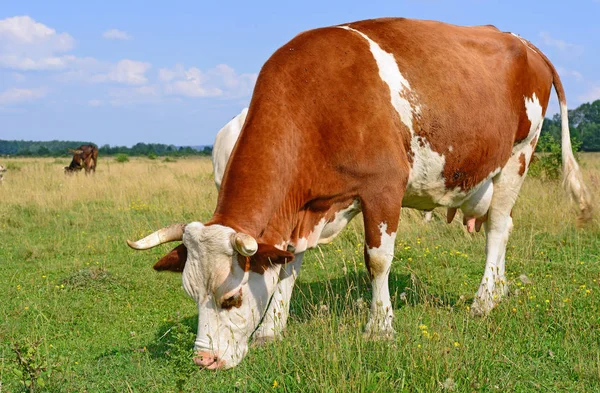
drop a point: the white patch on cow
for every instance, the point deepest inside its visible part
(534, 111)
(524, 42)
(339, 222)
(380, 261)
(282, 245)
(450, 148)
(325, 231)
(425, 182)
(385, 251)
(224, 143)
(534, 114)
(478, 203)
(276, 316)
(390, 74)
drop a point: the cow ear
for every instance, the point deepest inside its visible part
(174, 261)
(265, 257)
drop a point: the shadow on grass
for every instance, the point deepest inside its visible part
(340, 295)
(353, 292)
(159, 347)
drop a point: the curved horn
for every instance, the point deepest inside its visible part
(245, 244)
(171, 233)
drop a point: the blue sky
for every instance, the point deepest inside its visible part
(122, 72)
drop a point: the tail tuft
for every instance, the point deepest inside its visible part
(572, 178)
(577, 190)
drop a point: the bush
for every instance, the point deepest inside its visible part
(548, 164)
(169, 159)
(152, 155)
(180, 354)
(121, 157)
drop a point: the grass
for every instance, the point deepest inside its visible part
(97, 318)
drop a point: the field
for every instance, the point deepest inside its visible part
(87, 314)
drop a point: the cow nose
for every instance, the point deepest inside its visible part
(209, 361)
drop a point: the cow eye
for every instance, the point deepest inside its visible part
(232, 301)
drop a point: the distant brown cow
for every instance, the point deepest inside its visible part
(85, 156)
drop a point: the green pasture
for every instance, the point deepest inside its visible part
(81, 312)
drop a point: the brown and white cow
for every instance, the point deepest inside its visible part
(84, 157)
(368, 116)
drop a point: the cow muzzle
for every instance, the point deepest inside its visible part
(209, 360)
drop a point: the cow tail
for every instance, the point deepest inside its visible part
(572, 177)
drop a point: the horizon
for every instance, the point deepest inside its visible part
(101, 146)
(122, 74)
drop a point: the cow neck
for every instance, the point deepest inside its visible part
(257, 195)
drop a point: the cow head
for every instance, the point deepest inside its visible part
(76, 163)
(230, 276)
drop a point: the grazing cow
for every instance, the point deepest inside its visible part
(84, 157)
(2, 170)
(224, 143)
(367, 116)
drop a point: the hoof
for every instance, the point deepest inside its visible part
(481, 308)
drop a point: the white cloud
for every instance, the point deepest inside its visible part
(562, 46)
(15, 96)
(592, 94)
(126, 71)
(114, 34)
(166, 75)
(563, 72)
(24, 30)
(29, 45)
(221, 81)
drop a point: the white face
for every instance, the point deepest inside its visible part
(230, 301)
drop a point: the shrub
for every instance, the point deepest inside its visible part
(180, 354)
(121, 157)
(548, 164)
(152, 155)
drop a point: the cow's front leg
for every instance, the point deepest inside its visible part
(277, 314)
(380, 234)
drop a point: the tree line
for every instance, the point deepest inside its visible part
(584, 122)
(61, 148)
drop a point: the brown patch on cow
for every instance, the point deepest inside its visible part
(232, 301)
(533, 142)
(523, 163)
(266, 256)
(174, 261)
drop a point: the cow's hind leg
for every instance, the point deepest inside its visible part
(497, 229)
(381, 223)
(276, 317)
